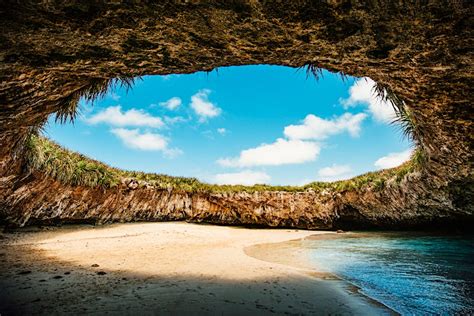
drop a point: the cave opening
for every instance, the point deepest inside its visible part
(241, 125)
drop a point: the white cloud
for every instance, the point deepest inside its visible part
(222, 131)
(208, 134)
(203, 107)
(361, 92)
(133, 138)
(314, 127)
(114, 96)
(173, 120)
(245, 177)
(393, 159)
(114, 115)
(169, 77)
(172, 104)
(172, 152)
(335, 172)
(281, 152)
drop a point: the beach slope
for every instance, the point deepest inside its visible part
(165, 268)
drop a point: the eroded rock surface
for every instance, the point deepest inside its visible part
(50, 50)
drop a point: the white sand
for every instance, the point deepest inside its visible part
(170, 268)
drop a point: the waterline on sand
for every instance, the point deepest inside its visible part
(409, 272)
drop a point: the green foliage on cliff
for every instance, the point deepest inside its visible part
(76, 169)
(404, 119)
(67, 166)
(95, 88)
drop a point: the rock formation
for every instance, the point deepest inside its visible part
(422, 53)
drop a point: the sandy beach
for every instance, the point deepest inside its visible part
(167, 268)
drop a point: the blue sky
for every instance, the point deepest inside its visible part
(246, 124)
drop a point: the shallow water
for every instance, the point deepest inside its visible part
(410, 273)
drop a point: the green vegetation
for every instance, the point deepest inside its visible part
(76, 169)
(67, 166)
(313, 70)
(94, 89)
(403, 118)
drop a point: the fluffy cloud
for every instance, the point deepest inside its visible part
(314, 127)
(114, 115)
(335, 172)
(172, 152)
(246, 177)
(203, 107)
(174, 120)
(169, 77)
(114, 96)
(222, 131)
(393, 159)
(361, 92)
(172, 104)
(133, 138)
(281, 152)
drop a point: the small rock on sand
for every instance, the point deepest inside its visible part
(24, 272)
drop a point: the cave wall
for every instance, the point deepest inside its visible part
(39, 199)
(421, 51)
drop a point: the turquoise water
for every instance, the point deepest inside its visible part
(414, 274)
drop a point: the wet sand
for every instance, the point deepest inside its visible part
(167, 268)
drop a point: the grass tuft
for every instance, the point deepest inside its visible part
(403, 118)
(67, 166)
(96, 88)
(313, 71)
